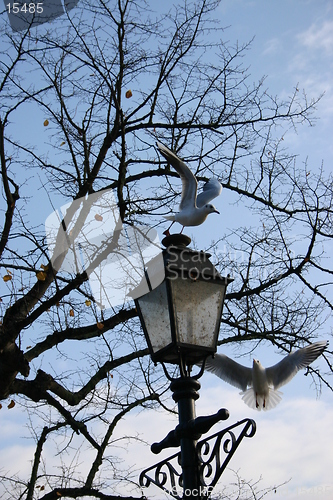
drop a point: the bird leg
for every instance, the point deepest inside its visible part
(167, 231)
(257, 404)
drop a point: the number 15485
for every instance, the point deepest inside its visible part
(26, 8)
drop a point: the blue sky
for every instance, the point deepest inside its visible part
(292, 46)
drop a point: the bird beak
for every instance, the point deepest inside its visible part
(217, 212)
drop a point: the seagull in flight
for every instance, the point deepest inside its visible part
(259, 385)
(193, 209)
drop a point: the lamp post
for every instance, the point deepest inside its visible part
(181, 319)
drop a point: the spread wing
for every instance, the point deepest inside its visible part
(230, 371)
(189, 182)
(212, 189)
(286, 369)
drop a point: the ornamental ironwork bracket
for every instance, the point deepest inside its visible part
(213, 453)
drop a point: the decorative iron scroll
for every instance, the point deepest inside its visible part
(165, 477)
(214, 453)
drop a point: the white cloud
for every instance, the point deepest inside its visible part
(272, 46)
(293, 441)
(309, 64)
(318, 37)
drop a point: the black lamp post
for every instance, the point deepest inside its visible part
(181, 320)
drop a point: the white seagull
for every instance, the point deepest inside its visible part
(263, 382)
(193, 209)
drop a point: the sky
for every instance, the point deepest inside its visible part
(292, 46)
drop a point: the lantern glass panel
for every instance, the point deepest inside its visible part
(155, 313)
(197, 308)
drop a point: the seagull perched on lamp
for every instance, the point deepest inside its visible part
(193, 209)
(259, 385)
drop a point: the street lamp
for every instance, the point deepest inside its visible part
(181, 319)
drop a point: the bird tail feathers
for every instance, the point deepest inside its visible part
(260, 402)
